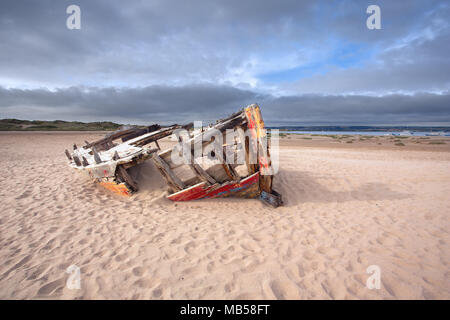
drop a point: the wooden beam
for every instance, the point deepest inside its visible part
(96, 156)
(68, 154)
(252, 168)
(164, 168)
(85, 162)
(201, 173)
(222, 127)
(231, 173)
(227, 166)
(77, 161)
(125, 177)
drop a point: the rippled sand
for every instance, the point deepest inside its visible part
(346, 208)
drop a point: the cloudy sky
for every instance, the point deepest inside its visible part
(305, 62)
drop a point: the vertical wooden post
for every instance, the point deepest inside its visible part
(96, 156)
(77, 161)
(85, 163)
(68, 154)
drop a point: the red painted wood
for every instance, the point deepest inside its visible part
(202, 191)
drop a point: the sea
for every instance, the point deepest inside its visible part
(371, 133)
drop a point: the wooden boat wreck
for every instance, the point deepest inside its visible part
(108, 160)
(206, 163)
(212, 173)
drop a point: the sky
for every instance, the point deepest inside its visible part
(304, 62)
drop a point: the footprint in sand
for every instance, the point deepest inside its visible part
(39, 272)
(16, 266)
(138, 271)
(280, 290)
(157, 292)
(51, 287)
(330, 253)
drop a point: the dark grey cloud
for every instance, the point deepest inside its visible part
(162, 103)
(393, 109)
(205, 102)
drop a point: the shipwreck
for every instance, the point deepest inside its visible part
(230, 158)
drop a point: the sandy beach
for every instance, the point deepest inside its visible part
(348, 205)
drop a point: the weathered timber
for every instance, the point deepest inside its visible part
(139, 132)
(68, 154)
(227, 181)
(201, 173)
(85, 162)
(123, 175)
(209, 133)
(228, 168)
(96, 155)
(146, 139)
(252, 168)
(272, 198)
(168, 173)
(77, 161)
(216, 177)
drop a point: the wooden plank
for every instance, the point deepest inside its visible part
(168, 173)
(139, 132)
(201, 173)
(68, 154)
(242, 140)
(77, 161)
(222, 127)
(228, 168)
(196, 168)
(88, 145)
(255, 121)
(85, 162)
(125, 177)
(246, 188)
(165, 153)
(250, 166)
(110, 145)
(274, 198)
(96, 155)
(162, 133)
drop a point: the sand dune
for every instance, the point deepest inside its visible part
(345, 209)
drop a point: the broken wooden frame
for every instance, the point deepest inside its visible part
(108, 160)
(204, 176)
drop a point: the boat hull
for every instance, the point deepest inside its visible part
(245, 188)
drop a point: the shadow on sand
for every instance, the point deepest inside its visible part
(299, 187)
